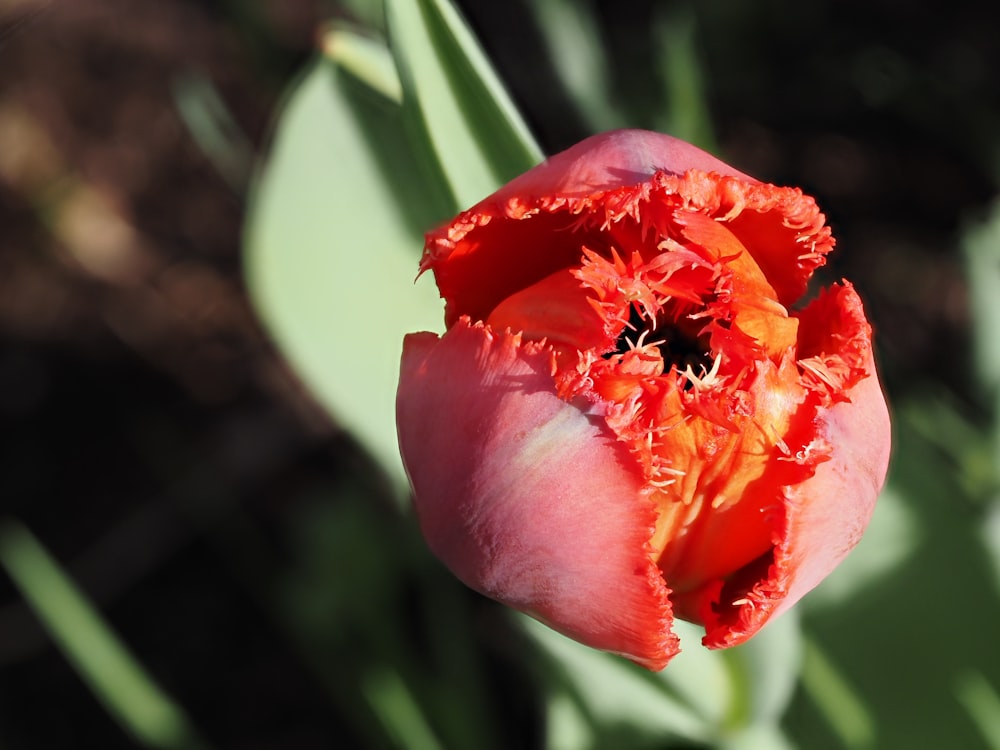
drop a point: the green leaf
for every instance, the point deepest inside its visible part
(364, 57)
(890, 539)
(572, 36)
(880, 666)
(981, 244)
(757, 737)
(844, 709)
(765, 672)
(331, 248)
(982, 702)
(613, 694)
(702, 678)
(103, 662)
(687, 115)
(213, 127)
(454, 100)
(733, 697)
(396, 706)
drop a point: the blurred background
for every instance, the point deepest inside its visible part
(159, 452)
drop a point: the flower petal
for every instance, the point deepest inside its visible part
(612, 160)
(844, 446)
(489, 252)
(538, 223)
(538, 506)
(782, 228)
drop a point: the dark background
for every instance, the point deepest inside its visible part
(154, 441)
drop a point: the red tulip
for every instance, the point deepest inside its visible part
(628, 418)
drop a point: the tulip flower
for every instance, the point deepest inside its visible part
(633, 415)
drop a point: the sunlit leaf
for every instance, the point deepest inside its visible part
(766, 670)
(756, 737)
(888, 654)
(889, 540)
(332, 242)
(702, 678)
(731, 697)
(614, 693)
(455, 101)
(566, 726)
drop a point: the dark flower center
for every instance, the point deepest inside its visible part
(677, 341)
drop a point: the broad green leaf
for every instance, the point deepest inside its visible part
(454, 100)
(742, 687)
(615, 694)
(890, 539)
(756, 737)
(332, 243)
(702, 678)
(881, 665)
(765, 671)
(104, 663)
(566, 726)
(733, 697)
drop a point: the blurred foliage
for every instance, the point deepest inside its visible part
(110, 671)
(244, 566)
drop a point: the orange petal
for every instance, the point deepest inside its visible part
(557, 309)
(839, 455)
(756, 311)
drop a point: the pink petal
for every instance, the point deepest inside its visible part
(527, 498)
(609, 161)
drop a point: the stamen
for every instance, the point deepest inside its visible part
(661, 483)
(708, 378)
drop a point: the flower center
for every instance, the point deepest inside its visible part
(677, 339)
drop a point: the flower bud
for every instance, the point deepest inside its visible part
(631, 415)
